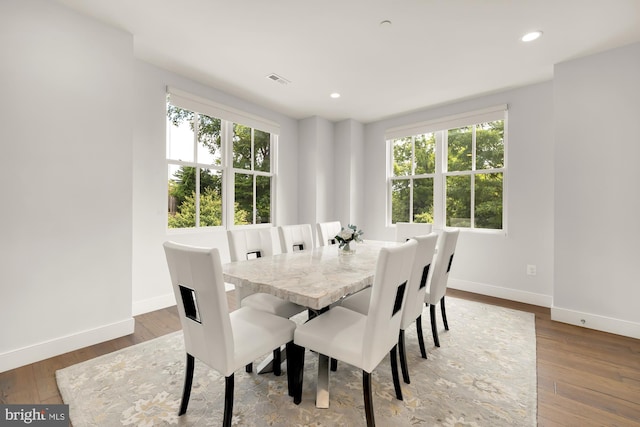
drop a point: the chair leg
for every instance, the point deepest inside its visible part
(368, 399)
(249, 368)
(297, 354)
(277, 361)
(228, 401)
(434, 327)
(403, 358)
(291, 368)
(444, 314)
(423, 350)
(394, 372)
(188, 380)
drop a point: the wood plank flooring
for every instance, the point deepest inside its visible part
(585, 377)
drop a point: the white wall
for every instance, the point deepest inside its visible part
(348, 170)
(597, 107)
(66, 131)
(330, 171)
(316, 170)
(491, 264)
(83, 144)
(151, 285)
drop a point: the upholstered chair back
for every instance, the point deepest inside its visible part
(198, 285)
(250, 243)
(420, 274)
(296, 237)
(388, 298)
(444, 258)
(327, 232)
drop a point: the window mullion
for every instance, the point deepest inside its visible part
(254, 208)
(413, 171)
(254, 200)
(439, 204)
(472, 197)
(196, 124)
(472, 210)
(273, 168)
(228, 207)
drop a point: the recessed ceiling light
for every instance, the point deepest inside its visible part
(335, 95)
(385, 23)
(529, 37)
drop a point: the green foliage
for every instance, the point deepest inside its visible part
(208, 128)
(210, 212)
(425, 163)
(488, 187)
(182, 185)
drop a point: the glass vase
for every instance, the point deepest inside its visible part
(346, 249)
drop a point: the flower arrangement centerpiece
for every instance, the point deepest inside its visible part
(348, 235)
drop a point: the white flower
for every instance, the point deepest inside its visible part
(349, 234)
(346, 234)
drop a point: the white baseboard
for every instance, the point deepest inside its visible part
(499, 292)
(44, 350)
(593, 321)
(153, 304)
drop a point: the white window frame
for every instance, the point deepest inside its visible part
(228, 117)
(439, 128)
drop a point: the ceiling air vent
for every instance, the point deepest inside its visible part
(277, 78)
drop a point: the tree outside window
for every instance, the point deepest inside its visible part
(194, 163)
(252, 174)
(469, 181)
(195, 156)
(412, 181)
(474, 177)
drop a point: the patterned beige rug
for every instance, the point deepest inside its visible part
(484, 374)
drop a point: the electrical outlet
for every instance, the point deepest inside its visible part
(531, 270)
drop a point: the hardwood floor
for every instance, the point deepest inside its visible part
(585, 377)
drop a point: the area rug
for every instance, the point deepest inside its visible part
(484, 374)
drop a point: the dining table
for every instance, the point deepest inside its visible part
(314, 278)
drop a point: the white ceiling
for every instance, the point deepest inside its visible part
(434, 52)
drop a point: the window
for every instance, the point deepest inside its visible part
(474, 175)
(194, 157)
(252, 175)
(219, 171)
(450, 172)
(413, 176)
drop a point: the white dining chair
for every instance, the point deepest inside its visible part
(438, 284)
(223, 341)
(358, 339)
(406, 230)
(416, 290)
(327, 231)
(296, 237)
(251, 243)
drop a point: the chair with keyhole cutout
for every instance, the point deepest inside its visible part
(223, 341)
(296, 237)
(438, 284)
(416, 290)
(253, 243)
(327, 232)
(361, 340)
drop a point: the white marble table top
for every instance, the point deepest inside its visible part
(314, 278)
